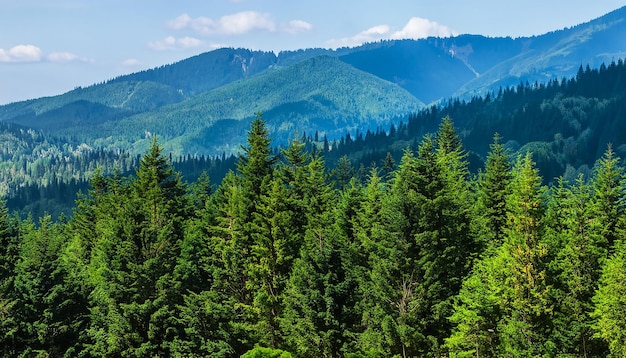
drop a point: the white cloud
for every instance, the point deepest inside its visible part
(32, 53)
(244, 22)
(64, 57)
(419, 28)
(180, 22)
(173, 43)
(416, 28)
(296, 26)
(21, 53)
(236, 24)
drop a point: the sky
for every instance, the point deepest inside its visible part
(48, 47)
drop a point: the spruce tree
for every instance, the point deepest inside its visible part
(610, 302)
(504, 307)
(490, 213)
(139, 236)
(10, 344)
(388, 274)
(526, 296)
(318, 314)
(580, 250)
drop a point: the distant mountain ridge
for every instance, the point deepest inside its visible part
(201, 105)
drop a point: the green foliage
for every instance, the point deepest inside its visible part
(610, 304)
(492, 189)
(262, 352)
(280, 256)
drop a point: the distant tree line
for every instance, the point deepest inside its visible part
(566, 123)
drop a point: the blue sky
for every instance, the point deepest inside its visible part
(48, 47)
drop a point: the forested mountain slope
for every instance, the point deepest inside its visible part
(321, 94)
(565, 123)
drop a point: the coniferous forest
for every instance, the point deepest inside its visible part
(281, 258)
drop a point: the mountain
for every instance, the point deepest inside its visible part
(202, 105)
(320, 94)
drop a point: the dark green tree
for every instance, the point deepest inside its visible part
(319, 314)
(387, 277)
(435, 201)
(505, 305)
(608, 204)
(492, 190)
(139, 236)
(526, 296)
(45, 306)
(256, 162)
(10, 343)
(580, 250)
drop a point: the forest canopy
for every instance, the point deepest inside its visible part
(286, 257)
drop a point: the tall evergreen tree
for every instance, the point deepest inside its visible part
(492, 189)
(319, 299)
(576, 269)
(435, 201)
(10, 344)
(504, 307)
(610, 302)
(256, 162)
(44, 305)
(609, 189)
(388, 275)
(139, 241)
(526, 295)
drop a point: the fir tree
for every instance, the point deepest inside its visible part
(610, 302)
(491, 198)
(526, 296)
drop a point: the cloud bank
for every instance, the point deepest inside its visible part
(416, 28)
(237, 24)
(21, 53)
(32, 53)
(173, 43)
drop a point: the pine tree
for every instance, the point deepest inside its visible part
(491, 199)
(478, 311)
(44, 305)
(609, 190)
(576, 268)
(610, 302)
(388, 277)
(231, 251)
(434, 200)
(139, 237)
(256, 163)
(273, 251)
(319, 299)
(526, 295)
(10, 345)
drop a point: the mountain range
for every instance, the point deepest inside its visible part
(203, 105)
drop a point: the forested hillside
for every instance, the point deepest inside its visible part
(566, 123)
(422, 260)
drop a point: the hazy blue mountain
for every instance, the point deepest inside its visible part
(557, 54)
(202, 104)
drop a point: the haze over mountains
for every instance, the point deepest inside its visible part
(203, 105)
